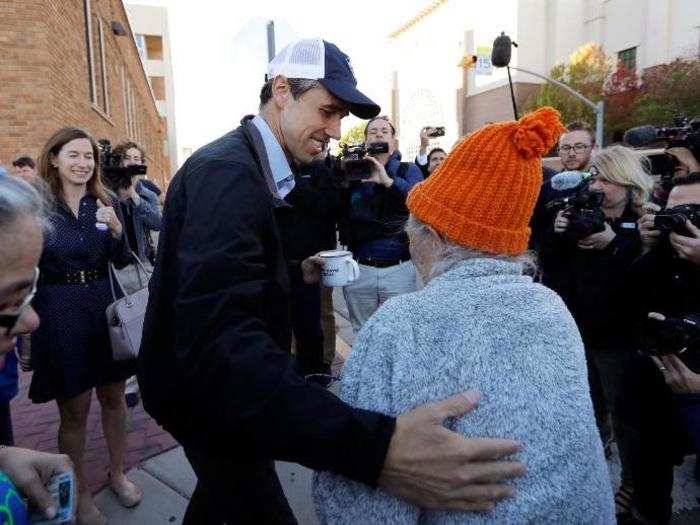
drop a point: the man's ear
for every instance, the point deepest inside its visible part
(280, 91)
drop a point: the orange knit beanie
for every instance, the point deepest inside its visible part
(483, 194)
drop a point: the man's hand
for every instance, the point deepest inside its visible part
(378, 174)
(311, 269)
(687, 247)
(678, 377)
(31, 471)
(650, 236)
(685, 156)
(561, 222)
(598, 241)
(425, 139)
(433, 467)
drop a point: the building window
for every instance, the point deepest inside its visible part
(97, 67)
(158, 87)
(141, 45)
(154, 47)
(628, 58)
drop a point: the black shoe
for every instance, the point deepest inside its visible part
(132, 399)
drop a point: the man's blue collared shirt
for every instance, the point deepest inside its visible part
(279, 165)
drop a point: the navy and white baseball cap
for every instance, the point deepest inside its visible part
(316, 59)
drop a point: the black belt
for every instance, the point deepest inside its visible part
(382, 263)
(75, 276)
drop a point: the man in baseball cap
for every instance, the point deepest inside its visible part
(214, 365)
(316, 59)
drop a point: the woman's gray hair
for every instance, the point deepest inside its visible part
(18, 200)
(449, 254)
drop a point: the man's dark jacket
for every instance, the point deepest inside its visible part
(214, 367)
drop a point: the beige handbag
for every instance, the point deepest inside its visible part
(125, 316)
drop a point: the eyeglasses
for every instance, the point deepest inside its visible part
(578, 148)
(9, 322)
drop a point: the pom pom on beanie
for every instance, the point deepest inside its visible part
(483, 194)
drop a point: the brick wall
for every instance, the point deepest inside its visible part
(44, 80)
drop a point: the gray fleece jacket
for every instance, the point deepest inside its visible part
(482, 326)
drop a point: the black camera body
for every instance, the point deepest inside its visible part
(670, 336)
(674, 219)
(114, 174)
(438, 131)
(352, 165)
(583, 209)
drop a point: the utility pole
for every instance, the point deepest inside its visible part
(270, 40)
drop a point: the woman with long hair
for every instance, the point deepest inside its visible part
(71, 351)
(594, 284)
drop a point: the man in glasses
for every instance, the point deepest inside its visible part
(575, 146)
(22, 221)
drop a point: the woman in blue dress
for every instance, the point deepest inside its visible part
(71, 352)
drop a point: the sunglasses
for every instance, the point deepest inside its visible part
(9, 321)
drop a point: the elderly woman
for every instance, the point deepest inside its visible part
(481, 324)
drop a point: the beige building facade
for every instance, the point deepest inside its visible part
(429, 88)
(150, 27)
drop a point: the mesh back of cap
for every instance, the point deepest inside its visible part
(301, 59)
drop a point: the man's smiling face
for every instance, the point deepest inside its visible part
(307, 123)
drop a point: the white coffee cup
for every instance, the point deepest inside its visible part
(340, 268)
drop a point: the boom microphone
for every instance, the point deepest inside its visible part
(567, 180)
(641, 136)
(500, 54)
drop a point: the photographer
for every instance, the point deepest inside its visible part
(668, 387)
(374, 211)
(141, 212)
(140, 209)
(428, 162)
(575, 148)
(591, 270)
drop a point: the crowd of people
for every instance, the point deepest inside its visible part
(508, 332)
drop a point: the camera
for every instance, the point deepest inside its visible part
(670, 336)
(583, 209)
(352, 165)
(114, 174)
(674, 219)
(684, 133)
(438, 131)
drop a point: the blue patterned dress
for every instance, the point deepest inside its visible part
(71, 352)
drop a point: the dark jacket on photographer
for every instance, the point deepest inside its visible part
(592, 282)
(372, 216)
(669, 423)
(140, 220)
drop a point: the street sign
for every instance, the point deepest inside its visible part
(483, 60)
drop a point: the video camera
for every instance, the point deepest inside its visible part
(352, 165)
(583, 209)
(674, 219)
(670, 336)
(114, 174)
(685, 133)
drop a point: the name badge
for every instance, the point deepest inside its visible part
(628, 225)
